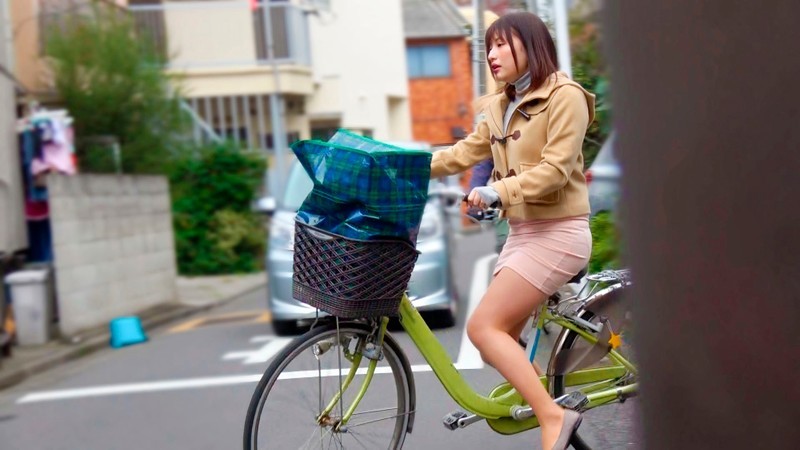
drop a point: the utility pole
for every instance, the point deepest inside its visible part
(478, 50)
(532, 7)
(276, 105)
(561, 18)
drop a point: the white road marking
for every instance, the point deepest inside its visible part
(189, 383)
(265, 353)
(116, 389)
(468, 359)
(468, 356)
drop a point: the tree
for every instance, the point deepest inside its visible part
(589, 69)
(113, 85)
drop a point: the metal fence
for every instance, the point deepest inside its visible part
(241, 119)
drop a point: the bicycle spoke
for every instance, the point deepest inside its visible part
(306, 390)
(376, 420)
(355, 437)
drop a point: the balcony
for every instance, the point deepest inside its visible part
(220, 47)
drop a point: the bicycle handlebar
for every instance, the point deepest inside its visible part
(454, 196)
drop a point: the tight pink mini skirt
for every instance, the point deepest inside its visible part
(547, 253)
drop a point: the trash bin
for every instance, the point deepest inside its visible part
(31, 304)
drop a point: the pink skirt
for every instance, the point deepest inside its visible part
(547, 253)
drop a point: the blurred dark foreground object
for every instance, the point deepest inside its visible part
(706, 109)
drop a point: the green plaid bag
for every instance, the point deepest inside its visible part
(363, 188)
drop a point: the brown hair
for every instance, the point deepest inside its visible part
(536, 39)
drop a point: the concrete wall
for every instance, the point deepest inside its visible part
(210, 32)
(114, 247)
(13, 236)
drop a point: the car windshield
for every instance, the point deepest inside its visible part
(297, 188)
(606, 154)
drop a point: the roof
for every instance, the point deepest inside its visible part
(432, 19)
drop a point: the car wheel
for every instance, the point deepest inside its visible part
(443, 318)
(285, 327)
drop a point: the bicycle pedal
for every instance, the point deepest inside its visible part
(574, 400)
(450, 421)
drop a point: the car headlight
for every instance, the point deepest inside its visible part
(281, 232)
(431, 224)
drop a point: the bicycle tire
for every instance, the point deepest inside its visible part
(283, 414)
(595, 431)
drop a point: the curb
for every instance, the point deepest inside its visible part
(99, 338)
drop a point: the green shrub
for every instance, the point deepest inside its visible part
(589, 69)
(606, 249)
(215, 229)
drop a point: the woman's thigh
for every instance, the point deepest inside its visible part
(507, 303)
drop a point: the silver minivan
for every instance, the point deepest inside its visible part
(603, 177)
(431, 288)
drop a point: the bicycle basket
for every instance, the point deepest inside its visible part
(350, 278)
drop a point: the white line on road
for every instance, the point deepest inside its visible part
(468, 359)
(189, 383)
(468, 356)
(116, 389)
(265, 353)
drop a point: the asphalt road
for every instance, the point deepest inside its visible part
(190, 384)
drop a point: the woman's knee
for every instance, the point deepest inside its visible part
(476, 329)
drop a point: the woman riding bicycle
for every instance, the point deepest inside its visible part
(533, 130)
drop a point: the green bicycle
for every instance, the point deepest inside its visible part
(347, 383)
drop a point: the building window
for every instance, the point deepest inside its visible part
(428, 61)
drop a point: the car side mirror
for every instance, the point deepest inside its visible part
(266, 206)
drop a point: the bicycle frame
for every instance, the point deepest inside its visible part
(499, 407)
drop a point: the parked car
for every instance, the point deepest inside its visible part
(603, 177)
(431, 288)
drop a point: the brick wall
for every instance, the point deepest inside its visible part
(113, 247)
(439, 104)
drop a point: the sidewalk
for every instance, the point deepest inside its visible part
(195, 294)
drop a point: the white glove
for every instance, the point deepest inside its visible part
(485, 197)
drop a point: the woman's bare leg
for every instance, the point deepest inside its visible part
(517, 332)
(508, 298)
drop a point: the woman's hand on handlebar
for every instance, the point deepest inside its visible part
(484, 197)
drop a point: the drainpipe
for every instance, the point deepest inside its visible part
(276, 111)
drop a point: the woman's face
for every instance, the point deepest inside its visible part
(501, 61)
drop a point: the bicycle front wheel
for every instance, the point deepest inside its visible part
(286, 410)
(611, 425)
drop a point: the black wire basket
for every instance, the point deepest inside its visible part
(350, 278)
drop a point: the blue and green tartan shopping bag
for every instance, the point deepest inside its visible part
(356, 231)
(363, 188)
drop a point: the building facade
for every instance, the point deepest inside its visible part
(439, 71)
(13, 236)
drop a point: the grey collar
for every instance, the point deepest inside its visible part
(523, 83)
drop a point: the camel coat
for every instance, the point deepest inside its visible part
(538, 162)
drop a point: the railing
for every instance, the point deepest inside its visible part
(222, 33)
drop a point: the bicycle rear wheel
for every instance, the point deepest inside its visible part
(285, 409)
(612, 425)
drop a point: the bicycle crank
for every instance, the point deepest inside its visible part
(459, 419)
